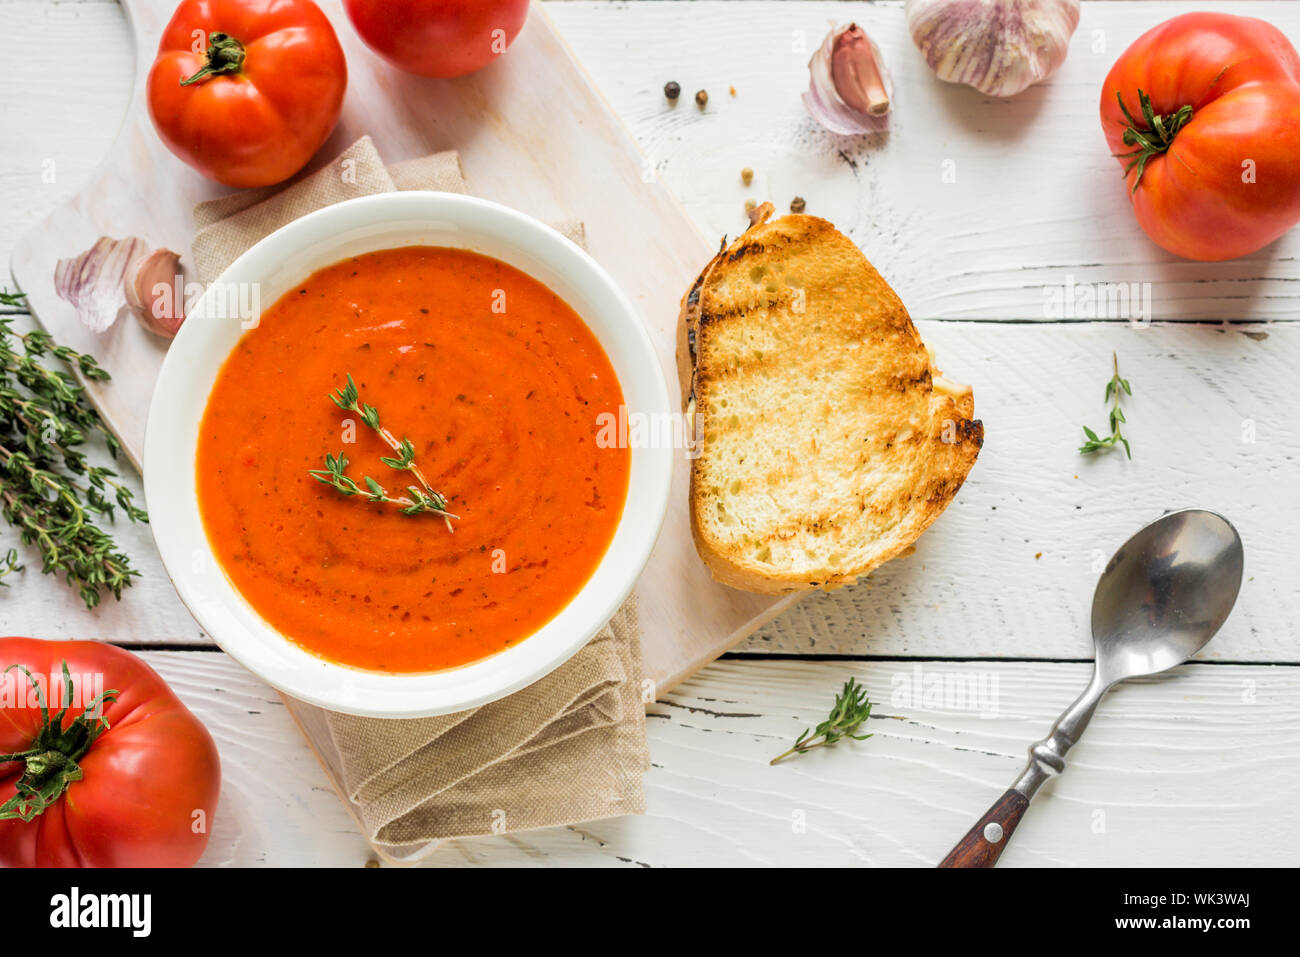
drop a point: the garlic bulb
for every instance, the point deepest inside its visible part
(1000, 47)
(849, 88)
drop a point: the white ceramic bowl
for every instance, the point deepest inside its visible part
(209, 334)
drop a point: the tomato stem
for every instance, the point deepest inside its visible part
(50, 764)
(1152, 139)
(225, 55)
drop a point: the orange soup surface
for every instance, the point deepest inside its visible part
(498, 384)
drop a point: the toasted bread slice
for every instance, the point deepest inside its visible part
(828, 442)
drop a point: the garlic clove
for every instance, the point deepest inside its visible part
(152, 286)
(92, 281)
(849, 88)
(1000, 47)
(856, 72)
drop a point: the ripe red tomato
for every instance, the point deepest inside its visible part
(1208, 133)
(140, 792)
(245, 91)
(438, 37)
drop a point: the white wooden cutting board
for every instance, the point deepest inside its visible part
(534, 134)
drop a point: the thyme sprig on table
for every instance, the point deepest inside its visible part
(48, 490)
(850, 710)
(1095, 442)
(419, 499)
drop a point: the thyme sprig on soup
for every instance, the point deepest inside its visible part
(496, 385)
(419, 500)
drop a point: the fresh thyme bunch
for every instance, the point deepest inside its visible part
(48, 490)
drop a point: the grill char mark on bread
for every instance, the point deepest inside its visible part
(830, 441)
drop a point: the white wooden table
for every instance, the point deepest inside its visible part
(969, 647)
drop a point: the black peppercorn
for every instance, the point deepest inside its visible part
(672, 89)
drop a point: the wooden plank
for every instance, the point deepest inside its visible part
(1035, 200)
(1163, 759)
(1208, 750)
(974, 586)
(1010, 569)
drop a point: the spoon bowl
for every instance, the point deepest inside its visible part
(1165, 593)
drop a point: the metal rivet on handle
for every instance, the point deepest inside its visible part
(993, 832)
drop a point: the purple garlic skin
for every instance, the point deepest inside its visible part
(849, 89)
(93, 281)
(117, 275)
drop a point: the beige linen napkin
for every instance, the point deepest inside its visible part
(570, 747)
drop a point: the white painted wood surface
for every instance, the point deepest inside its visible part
(1209, 751)
(1197, 768)
(1033, 196)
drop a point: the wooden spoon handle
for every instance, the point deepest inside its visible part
(983, 843)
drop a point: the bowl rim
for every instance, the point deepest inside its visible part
(194, 569)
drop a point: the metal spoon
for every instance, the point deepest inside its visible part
(1160, 600)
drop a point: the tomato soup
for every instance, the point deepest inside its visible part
(499, 386)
